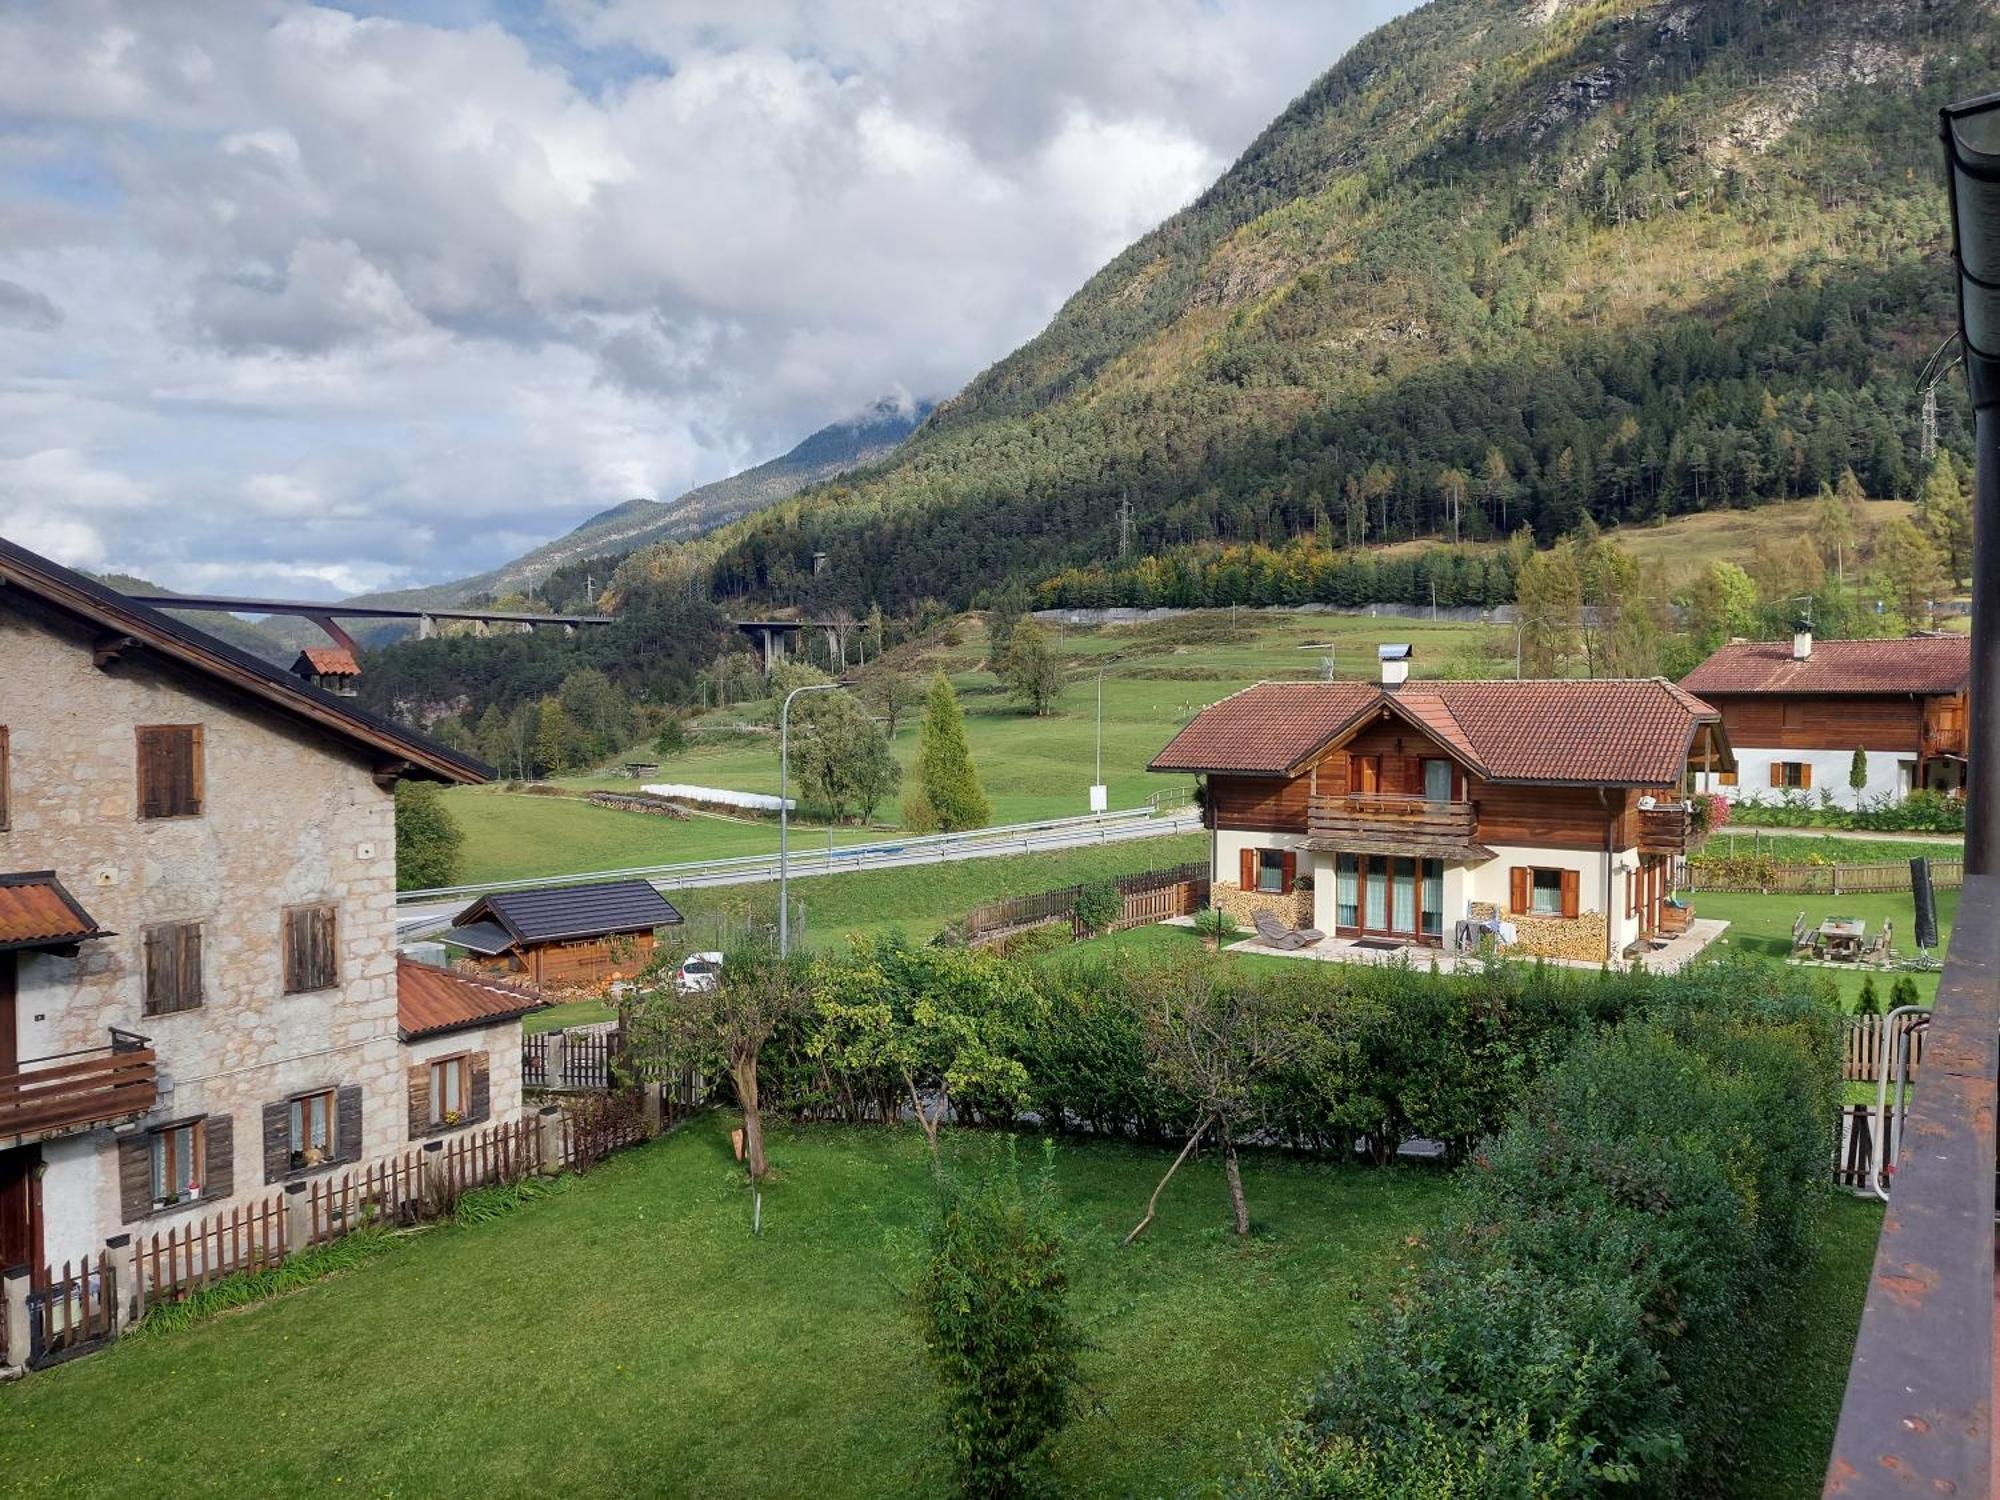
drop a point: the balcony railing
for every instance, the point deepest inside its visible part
(1372, 822)
(1917, 1418)
(71, 1091)
(1665, 829)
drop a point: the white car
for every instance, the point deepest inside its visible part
(698, 971)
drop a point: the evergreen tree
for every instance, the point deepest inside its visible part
(1910, 570)
(948, 796)
(429, 841)
(556, 743)
(1857, 775)
(1948, 516)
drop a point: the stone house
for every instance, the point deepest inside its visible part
(1796, 712)
(199, 982)
(1392, 812)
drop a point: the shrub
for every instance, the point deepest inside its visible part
(1048, 937)
(993, 1307)
(1868, 1004)
(429, 841)
(671, 740)
(1098, 906)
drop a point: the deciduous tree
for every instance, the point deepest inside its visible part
(1032, 671)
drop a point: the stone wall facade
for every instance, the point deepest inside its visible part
(289, 817)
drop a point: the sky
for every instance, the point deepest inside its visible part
(307, 301)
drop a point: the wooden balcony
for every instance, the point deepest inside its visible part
(68, 1092)
(1666, 829)
(1381, 823)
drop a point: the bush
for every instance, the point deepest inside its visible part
(429, 841)
(1920, 812)
(1097, 907)
(1621, 1256)
(993, 1308)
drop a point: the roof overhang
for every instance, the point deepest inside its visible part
(39, 915)
(488, 938)
(1402, 845)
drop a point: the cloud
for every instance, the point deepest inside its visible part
(372, 297)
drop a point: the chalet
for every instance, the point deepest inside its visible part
(564, 935)
(331, 669)
(1796, 712)
(1389, 813)
(200, 994)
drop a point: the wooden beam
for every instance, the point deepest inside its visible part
(390, 772)
(109, 649)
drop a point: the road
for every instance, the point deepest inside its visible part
(427, 914)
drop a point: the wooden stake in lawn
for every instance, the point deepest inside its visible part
(1210, 1038)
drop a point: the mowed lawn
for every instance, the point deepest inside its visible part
(630, 1336)
(1763, 925)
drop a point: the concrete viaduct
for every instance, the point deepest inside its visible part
(327, 616)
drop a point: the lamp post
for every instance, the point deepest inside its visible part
(1971, 132)
(785, 810)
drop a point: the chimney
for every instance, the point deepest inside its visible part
(1802, 641)
(1395, 659)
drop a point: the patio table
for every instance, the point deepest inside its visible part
(1843, 937)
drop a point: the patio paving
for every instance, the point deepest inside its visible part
(1674, 954)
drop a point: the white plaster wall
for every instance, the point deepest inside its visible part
(1829, 773)
(289, 818)
(1231, 842)
(1488, 882)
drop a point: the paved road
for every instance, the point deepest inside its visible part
(418, 920)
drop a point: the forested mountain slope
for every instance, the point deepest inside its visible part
(1517, 260)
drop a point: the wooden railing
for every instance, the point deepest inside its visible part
(1944, 730)
(69, 1091)
(1376, 815)
(1665, 830)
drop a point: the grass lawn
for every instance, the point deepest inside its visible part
(1788, 1433)
(629, 1336)
(1763, 925)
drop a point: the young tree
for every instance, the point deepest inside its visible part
(1548, 595)
(1909, 568)
(993, 1307)
(1032, 671)
(556, 739)
(840, 755)
(948, 796)
(1722, 603)
(429, 841)
(672, 738)
(1212, 1039)
(1857, 775)
(1947, 511)
(1008, 607)
(891, 695)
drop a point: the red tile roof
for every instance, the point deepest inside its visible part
(431, 1001)
(329, 661)
(36, 912)
(1921, 664)
(1624, 732)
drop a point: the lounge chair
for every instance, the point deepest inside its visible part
(1802, 938)
(1275, 934)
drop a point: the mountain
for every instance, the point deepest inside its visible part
(1545, 258)
(864, 438)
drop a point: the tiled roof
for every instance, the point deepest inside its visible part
(1920, 664)
(329, 661)
(1267, 728)
(431, 1001)
(575, 911)
(119, 620)
(36, 912)
(1621, 732)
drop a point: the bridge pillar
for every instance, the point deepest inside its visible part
(771, 652)
(427, 628)
(567, 629)
(836, 657)
(479, 629)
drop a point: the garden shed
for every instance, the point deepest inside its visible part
(565, 935)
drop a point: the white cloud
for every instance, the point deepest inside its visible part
(315, 297)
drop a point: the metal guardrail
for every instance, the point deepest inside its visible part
(1026, 837)
(1918, 1414)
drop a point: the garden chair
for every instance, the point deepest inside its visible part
(1275, 934)
(1878, 952)
(1802, 938)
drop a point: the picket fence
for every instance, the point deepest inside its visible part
(1768, 877)
(1861, 1056)
(84, 1304)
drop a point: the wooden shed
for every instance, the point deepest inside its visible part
(565, 935)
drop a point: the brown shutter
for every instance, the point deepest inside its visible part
(188, 963)
(482, 1089)
(170, 770)
(310, 957)
(1246, 869)
(1805, 774)
(347, 1127)
(420, 1101)
(135, 1176)
(277, 1141)
(1288, 871)
(1517, 888)
(1777, 773)
(218, 1168)
(1570, 901)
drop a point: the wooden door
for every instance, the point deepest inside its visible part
(1365, 774)
(21, 1208)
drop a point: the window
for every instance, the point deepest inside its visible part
(170, 771)
(178, 1155)
(1791, 774)
(1546, 893)
(312, 1130)
(1433, 902)
(451, 1090)
(173, 968)
(311, 961)
(1437, 780)
(3, 776)
(1271, 871)
(1346, 891)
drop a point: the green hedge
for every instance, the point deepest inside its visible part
(1608, 1287)
(1920, 812)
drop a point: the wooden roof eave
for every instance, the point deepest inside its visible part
(1380, 707)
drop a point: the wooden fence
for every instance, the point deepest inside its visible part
(1854, 1157)
(574, 1059)
(72, 1312)
(1861, 1057)
(1768, 877)
(189, 1257)
(997, 917)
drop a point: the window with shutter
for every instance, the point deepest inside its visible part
(1246, 870)
(451, 1091)
(170, 770)
(311, 961)
(1571, 893)
(173, 968)
(1288, 872)
(177, 1164)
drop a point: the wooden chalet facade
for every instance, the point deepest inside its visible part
(1395, 812)
(1797, 711)
(564, 935)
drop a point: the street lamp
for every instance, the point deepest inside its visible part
(784, 809)
(1971, 134)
